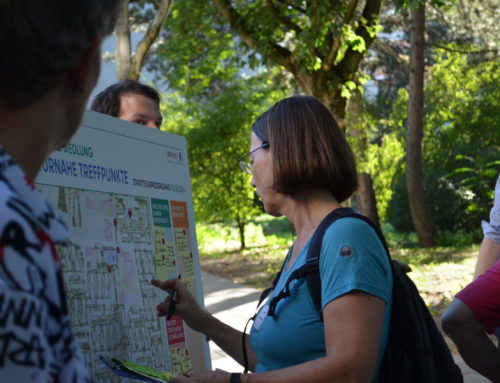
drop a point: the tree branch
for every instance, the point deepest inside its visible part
(350, 11)
(352, 58)
(313, 6)
(282, 19)
(290, 4)
(149, 37)
(464, 51)
(349, 15)
(275, 52)
(384, 48)
(123, 51)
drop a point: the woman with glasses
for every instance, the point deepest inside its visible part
(303, 168)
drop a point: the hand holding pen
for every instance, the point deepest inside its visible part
(181, 302)
(173, 301)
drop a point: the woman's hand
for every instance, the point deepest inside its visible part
(217, 376)
(226, 337)
(186, 305)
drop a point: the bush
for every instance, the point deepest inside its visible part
(458, 239)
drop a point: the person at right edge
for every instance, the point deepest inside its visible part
(303, 168)
(475, 311)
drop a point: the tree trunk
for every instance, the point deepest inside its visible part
(128, 65)
(366, 201)
(414, 167)
(357, 123)
(337, 105)
(149, 38)
(241, 230)
(123, 51)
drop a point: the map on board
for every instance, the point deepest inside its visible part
(119, 242)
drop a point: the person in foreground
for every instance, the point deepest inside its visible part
(475, 310)
(131, 101)
(303, 168)
(49, 64)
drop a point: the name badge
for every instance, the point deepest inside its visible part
(257, 323)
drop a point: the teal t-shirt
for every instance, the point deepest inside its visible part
(352, 258)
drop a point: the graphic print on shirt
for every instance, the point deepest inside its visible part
(36, 343)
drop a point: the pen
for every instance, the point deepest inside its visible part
(173, 302)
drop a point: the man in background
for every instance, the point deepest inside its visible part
(131, 101)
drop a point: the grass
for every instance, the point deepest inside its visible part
(439, 273)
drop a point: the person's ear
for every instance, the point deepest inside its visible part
(83, 75)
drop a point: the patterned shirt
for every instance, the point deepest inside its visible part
(36, 342)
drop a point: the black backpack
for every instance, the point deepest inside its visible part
(416, 351)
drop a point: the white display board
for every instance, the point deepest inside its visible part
(124, 191)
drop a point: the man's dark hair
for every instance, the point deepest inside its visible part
(109, 100)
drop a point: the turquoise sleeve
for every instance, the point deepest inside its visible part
(353, 258)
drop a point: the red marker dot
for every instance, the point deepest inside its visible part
(115, 221)
(130, 213)
(110, 269)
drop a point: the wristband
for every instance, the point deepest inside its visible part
(235, 377)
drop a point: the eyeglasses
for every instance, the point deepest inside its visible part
(244, 164)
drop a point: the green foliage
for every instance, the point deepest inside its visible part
(399, 239)
(461, 147)
(380, 145)
(262, 231)
(465, 22)
(383, 160)
(462, 136)
(218, 133)
(204, 63)
(459, 239)
(347, 88)
(349, 40)
(198, 55)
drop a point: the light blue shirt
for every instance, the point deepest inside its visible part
(352, 258)
(491, 229)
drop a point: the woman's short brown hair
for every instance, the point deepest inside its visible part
(308, 148)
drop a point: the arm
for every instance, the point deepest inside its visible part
(353, 328)
(226, 337)
(489, 253)
(474, 345)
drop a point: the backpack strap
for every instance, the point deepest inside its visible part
(263, 296)
(310, 270)
(313, 277)
(299, 273)
(266, 292)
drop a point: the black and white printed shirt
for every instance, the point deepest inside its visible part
(36, 342)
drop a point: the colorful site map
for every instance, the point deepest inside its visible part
(118, 244)
(125, 193)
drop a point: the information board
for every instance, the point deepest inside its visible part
(124, 191)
